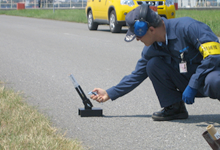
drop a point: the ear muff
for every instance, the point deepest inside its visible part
(140, 28)
(141, 25)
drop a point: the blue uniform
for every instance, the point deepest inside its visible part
(161, 64)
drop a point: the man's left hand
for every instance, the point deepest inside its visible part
(189, 95)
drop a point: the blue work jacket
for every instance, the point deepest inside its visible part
(185, 35)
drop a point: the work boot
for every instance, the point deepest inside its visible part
(175, 111)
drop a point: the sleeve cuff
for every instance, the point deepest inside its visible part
(112, 93)
(193, 84)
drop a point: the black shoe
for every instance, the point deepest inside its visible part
(175, 111)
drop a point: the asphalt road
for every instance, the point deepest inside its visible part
(37, 56)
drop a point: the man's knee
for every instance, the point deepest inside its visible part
(212, 84)
(213, 79)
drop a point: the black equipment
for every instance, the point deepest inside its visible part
(88, 110)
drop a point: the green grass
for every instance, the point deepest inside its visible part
(210, 17)
(22, 127)
(76, 15)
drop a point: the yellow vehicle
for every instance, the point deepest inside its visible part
(113, 12)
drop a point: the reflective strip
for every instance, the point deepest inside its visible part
(209, 48)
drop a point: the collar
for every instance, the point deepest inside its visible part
(160, 43)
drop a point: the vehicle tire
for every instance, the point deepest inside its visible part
(91, 24)
(113, 23)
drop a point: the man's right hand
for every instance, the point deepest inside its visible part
(102, 95)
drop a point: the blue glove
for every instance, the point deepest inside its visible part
(189, 95)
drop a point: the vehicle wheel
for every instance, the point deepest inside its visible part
(91, 24)
(113, 24)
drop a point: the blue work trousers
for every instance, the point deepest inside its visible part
(169, 83)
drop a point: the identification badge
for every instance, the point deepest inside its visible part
(183, 67)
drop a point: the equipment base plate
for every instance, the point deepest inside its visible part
(94, 112)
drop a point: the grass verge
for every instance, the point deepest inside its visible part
(22, 127)
(209, 17)
(72, 15)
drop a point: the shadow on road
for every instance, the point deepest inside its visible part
(201, 120)
(122, 116)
